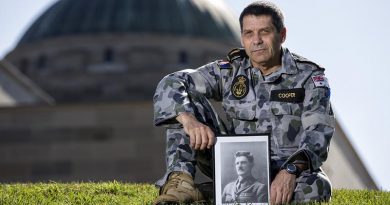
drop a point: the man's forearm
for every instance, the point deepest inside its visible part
(185, 117)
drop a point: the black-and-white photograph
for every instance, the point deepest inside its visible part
(242, 169)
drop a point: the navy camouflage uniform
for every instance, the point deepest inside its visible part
(292, 103)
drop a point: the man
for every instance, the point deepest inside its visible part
(264, 89)
(246, 189)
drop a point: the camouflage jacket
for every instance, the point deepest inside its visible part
(292, 103)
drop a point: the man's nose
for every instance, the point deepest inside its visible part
(257, 39)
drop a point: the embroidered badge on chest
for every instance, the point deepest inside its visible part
(240, 86)
(295, 95)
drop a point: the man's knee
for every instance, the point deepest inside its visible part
(177, 139)
(312, 187)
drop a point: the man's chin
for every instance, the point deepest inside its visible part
(241, 174)
(258, 59)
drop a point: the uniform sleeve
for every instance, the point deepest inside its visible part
(224, 193)
(171, 96)
(262, 193)
(317, 121)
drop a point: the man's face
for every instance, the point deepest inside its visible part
(261, 40)
(243, 166)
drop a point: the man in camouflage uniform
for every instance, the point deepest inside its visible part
(246, 188)
(264, 88)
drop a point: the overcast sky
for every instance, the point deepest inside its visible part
(349, 38)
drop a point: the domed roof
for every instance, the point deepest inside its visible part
(197, 18)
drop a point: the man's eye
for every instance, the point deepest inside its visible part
(265, 31)
(248, 34)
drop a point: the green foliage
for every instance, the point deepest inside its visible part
(137, 194)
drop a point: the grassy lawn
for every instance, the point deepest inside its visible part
(126, 193)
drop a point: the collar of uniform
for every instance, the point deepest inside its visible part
(246, 63)
(288, 67)
(248, 179)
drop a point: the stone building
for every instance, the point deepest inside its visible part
(88, 51)
(91, 67)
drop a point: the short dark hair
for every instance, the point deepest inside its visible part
(246, 154)
(264, 8)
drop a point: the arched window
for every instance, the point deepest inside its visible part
(108, 56)
(41, 62)
(183, 57)
(23, 66)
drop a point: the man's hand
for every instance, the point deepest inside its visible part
(282, 188)
(201, 136)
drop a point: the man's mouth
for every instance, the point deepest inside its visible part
(258, 50)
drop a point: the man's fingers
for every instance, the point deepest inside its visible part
(191, 133)
(284, 197)
(273, 195)
(289, 197)
(276, 194)
(211, 138)
(198, 140)
(204, 139)
(279, 196)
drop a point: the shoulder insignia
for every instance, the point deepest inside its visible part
(320, 81)
(236, 53)
(301, 59)
(224, 64)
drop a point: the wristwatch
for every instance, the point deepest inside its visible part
(293, 169)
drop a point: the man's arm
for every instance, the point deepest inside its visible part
(173, 108)
(317, 121)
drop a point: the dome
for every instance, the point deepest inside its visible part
(195, 18)
(103, 50)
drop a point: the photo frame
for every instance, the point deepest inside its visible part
(242, 169)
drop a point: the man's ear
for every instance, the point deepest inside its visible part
(283, 34)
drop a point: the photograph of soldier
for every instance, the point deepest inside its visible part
(245, 188)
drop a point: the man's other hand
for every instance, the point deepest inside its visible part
(282, 188)
(201, 136)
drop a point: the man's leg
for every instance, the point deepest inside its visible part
(312, 186)
(180, 157)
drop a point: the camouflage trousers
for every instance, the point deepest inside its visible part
(310, 186)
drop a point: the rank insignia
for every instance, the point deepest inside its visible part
(240, 86)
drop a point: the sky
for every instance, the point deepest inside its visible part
(349, 38)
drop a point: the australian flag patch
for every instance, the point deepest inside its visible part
(320, 81)
(224, 65)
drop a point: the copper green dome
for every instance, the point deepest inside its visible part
(195, 18)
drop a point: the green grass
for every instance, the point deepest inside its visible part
(126, 193)
(77, 193)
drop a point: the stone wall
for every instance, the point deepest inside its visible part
(89, 142)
